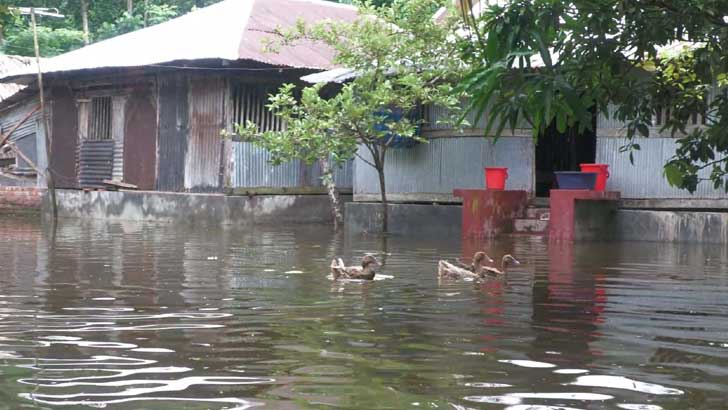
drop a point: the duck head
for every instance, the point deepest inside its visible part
(369, 261)
(509, 259)
(480, 257)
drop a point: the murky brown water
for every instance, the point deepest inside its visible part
(130, 316)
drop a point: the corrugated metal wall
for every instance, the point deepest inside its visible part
(435, 114)
(207, 120)
(173, 131)
(644, 179)
(117, 133)
(95, 162)
(252, 169)
(432, 171)
(24, 136)
(140, 139)
(64, 137)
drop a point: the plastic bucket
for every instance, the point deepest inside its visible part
(602, 170)
(495, 178)
(576, 180)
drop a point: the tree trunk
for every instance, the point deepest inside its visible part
(327, 178)
(383, 193)
(130, 6)
(146, 13)
(84, 21)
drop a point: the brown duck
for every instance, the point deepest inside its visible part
(459, 270)
(364, 272)
(490, 272)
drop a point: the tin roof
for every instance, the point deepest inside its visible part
(230, 30)
(13, 63)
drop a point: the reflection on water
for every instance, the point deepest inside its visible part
(131, 316)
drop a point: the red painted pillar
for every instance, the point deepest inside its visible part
(487, 213)
(561, 224)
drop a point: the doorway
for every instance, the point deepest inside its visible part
(562, 151)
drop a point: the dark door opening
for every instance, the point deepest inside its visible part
(557, 151)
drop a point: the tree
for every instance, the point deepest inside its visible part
(84, 21)
(402, 59)
(88, 20)
(551, 61)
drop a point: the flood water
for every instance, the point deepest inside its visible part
(135, 316)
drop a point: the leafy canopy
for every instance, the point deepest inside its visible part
(401, 58)
(553, 61)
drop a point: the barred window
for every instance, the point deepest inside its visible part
(249, 104)
(99, 128)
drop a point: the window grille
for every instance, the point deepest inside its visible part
(100, 119)
(249, 104)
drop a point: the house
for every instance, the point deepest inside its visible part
(147, 109)
(19, 117)
(456, 159)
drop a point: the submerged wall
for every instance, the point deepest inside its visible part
(672, 226)
(197, 209)
(629, 225)
(26, 199)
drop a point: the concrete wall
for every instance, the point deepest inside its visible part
(628, 225)
(672, 226)
(198, 209)
(20, 199)
(366, 217)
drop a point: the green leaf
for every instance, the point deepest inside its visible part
(673, 175)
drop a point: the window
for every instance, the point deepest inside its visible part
(249, 104)
(99, 127)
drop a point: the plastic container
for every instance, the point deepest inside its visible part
(495, 178)
(602, 170)
(576, 180)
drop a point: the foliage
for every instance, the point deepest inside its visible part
(401, 57)
(51, 41)
(107, 18)
(143, 17)
(552, 61)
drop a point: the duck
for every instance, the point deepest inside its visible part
(364, 272)
(459, 270)
(476, 261)
(489, 272)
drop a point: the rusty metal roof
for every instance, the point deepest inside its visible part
(230, 30)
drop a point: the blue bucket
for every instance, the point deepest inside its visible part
(576, 180)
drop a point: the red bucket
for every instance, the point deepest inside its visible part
(603, 174)
(495, 178)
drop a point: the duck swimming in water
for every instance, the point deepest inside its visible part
(459, 270)
(364, 272)
(490, 272)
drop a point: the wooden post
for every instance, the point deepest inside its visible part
(49, 149)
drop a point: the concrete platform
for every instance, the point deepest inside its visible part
(625, 225)
(672, 226)
(582, 214)
(198, 209)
